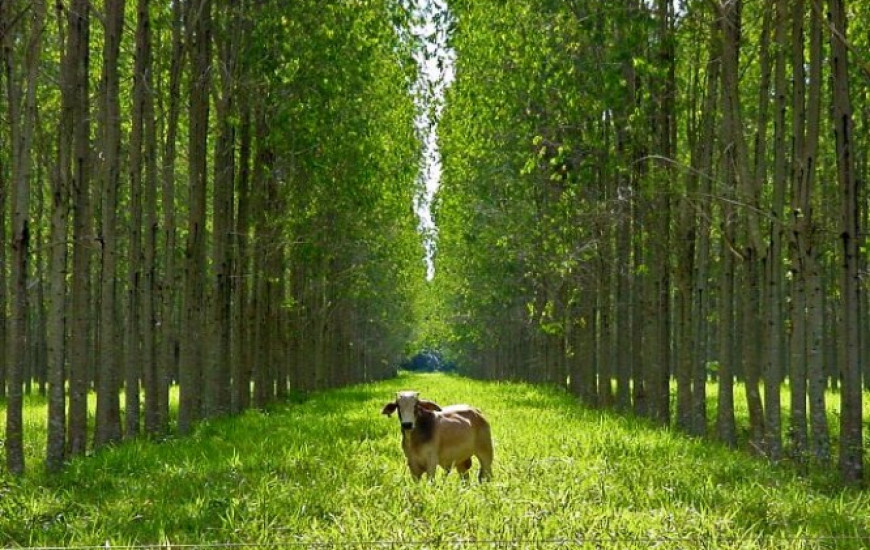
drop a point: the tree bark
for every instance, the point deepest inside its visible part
(773, 288)
(820, 434)
(134, 359)
(108, 422)
(217, 379)
(701, 293)
(56, 447)
(149, 303)
(166, 360)
(746, 191)
(81, 334)
(241, 365)
(851, 441)
(191, 361)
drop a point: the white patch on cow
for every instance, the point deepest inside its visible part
(407, 402)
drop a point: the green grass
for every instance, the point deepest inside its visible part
(329, 470)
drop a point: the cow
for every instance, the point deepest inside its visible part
(447, 437)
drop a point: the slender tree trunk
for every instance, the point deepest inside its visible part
(701, 293)
(768, 272)
(166, 361)
(624, 189)
(774, 291)
(5, 192)
(217, 380)
(81, 335)
(799, 207)
(820, 435)
(851, 439)
(262, 170)
(56, 447)
(685, 233)
(21, 100)
(21, 114)
(135, 368)
(241, 368)
(108, 426)
(745, 188)
(191, 362)
(148, 316)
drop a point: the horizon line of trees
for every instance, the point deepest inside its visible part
(641, 193)
(210, 194)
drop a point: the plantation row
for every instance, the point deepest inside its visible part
(213, 194)
(638, 193)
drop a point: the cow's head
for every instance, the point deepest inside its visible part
(410, 406)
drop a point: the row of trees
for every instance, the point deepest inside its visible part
(636, 193)
(214, 194)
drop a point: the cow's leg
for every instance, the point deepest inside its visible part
(416, 469)
(463, 467)
(484, 454)
(431, 465)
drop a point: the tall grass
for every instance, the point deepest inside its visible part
(329, 471)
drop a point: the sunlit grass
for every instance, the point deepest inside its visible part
(329, 470)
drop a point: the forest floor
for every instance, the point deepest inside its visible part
(328, 472)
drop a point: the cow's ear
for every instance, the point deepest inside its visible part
(428, 405)
(389, 408)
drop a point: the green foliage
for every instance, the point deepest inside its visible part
(342, 129)
(523, 139)
(328, 470)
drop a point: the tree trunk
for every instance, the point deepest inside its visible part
(701, 293)
(851, 441)
(56, 448)
(217, 379)
(108, 422)
(745, 188)
(191, 362)
(771, 291)
(81, 334)
(134, 361)
(726, 427)
(800, 209)
(666, 92)
(21, 114)
(241, 365)
(148, 316)
(166, 360)
(820, 435)
(622, 197)
(5, 192)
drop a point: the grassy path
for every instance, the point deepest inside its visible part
(329, 470)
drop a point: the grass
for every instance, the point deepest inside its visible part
(329, 471)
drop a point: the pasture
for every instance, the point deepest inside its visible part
(327, 471)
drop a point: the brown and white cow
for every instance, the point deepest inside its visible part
(447, 437)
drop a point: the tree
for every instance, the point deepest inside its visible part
(851, 440)
(198, 20)
(81, 329)
(56, 448)
(108, 424)
(21, 109)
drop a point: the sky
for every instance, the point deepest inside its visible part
(436, 61)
